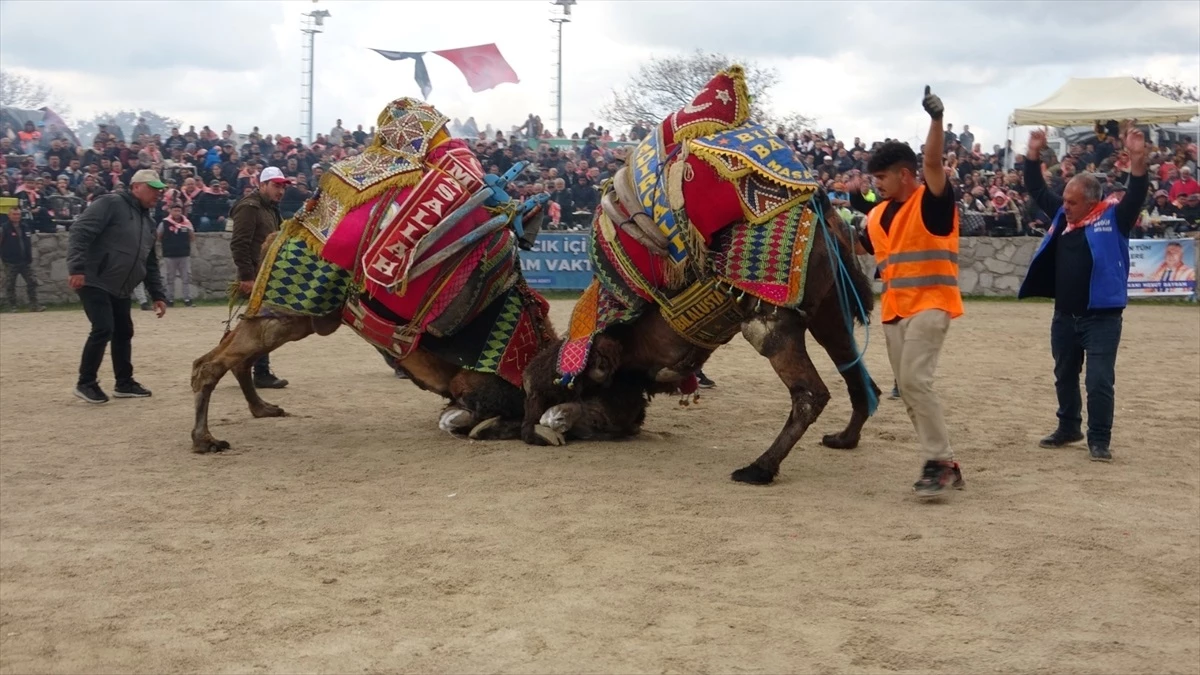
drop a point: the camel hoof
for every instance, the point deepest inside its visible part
(208, 445)
(455, 420)
(479, 432)
(268, 410)
(838, 442)
(549, 436)
(556, 419)
(754, 475)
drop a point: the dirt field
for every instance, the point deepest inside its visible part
(356, 537)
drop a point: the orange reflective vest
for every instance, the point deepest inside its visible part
(919, 270)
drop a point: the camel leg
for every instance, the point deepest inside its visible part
(828, 327)
(245, 378)
(237, 351)
(781, 340)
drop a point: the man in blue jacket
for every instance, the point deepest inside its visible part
(1083, 263)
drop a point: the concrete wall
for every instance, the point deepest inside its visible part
(212, 268)
(990, 266)
(987, 266)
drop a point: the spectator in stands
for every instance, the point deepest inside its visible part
(33, 210)
(1191, 213)
(337, 134)
(967, 139)
(29, 138)
(1186, 185)
(16, 252)
(210, 208)
(177, 236)
(89, 188)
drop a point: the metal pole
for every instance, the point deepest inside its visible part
(312, 66)
(560, 80)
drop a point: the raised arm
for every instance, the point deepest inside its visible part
(1139, 184)
(1046, 200)
(935, 173)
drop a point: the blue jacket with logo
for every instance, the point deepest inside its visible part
(1107, 285)
(1088, 269)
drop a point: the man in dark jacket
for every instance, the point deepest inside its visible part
(1083, 263)
(111, 251)
(16, 251)
(254, 217)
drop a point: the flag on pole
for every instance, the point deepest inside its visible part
(483, 66)
(419, 72)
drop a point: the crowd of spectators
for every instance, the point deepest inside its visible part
(208, 171)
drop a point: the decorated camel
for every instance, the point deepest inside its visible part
(712, 228)
(414, 248)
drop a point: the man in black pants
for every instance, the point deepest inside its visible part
(110, 251)
(1083, 263)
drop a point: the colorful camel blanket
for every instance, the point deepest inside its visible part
(766, 263)
(354, 249)
(709, 179)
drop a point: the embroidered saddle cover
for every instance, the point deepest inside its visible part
(394, 242)
(729, 199)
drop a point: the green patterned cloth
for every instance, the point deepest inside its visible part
(302, 282)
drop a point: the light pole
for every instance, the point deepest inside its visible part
(560, 19)
(311, 21)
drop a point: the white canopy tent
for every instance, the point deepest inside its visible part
(1083, 100)
(1086, 100)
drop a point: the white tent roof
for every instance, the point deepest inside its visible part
(1083, 100)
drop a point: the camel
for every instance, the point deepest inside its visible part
(631, 363)
(712, 228)
(430, 277)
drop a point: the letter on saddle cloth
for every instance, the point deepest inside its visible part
(390, 256)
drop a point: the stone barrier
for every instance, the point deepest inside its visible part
(988, 266)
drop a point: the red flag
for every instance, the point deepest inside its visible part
(482, 65)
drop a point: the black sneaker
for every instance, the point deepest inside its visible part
(38, 308)
(92, 393)
(704, 382)
(145, 307)
(170, 303)
(1060, 438)
(187, 303)
(269, 381)
(131, 390)
(937, 476)
(1099, 453)
(895, 392)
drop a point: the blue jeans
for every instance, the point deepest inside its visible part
(1075, 340)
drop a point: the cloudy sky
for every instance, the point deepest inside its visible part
(858, 67)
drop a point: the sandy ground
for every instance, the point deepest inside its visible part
(355, 537)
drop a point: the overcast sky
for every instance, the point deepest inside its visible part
(859, 68)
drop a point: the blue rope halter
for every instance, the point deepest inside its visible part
(844, 283)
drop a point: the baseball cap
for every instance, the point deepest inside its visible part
(149, 177)
(272, 174)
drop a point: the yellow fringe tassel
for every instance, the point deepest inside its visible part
(349, 197)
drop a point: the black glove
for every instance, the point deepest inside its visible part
(933, 104)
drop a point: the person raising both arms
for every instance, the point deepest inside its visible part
(1083, 263)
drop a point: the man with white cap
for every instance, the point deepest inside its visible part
(110, 251)
(254, 217)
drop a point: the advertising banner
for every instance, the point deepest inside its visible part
(1162, 267)
(559, 260)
